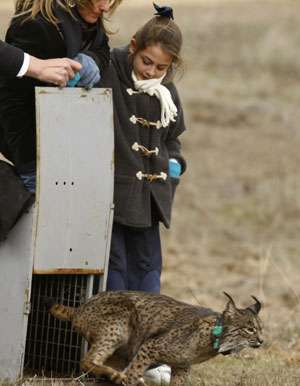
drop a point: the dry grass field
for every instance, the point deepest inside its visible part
(236, 219)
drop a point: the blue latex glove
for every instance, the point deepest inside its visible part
(174, 168)
(73, 81)
(89, 74)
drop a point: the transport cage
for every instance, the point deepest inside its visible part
(53, 349)
(61, 245)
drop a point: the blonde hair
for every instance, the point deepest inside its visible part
(45, 7)
(165, 32)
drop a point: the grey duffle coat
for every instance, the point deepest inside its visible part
(141, 178)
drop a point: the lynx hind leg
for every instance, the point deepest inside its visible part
(94, 359)
(179, 375)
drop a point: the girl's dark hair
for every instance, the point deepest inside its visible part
(164, 31)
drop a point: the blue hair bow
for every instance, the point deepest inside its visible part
(164, 11)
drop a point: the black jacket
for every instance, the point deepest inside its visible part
(136, 199)
(15, 199)
(44, 40)
(11, 60)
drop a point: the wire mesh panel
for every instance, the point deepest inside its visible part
(53, 348)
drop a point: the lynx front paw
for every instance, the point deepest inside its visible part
(135, 381)
(118, 378)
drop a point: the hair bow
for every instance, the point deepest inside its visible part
(164, 11)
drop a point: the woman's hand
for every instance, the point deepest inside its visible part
(55, 71)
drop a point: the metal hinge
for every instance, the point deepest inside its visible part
(27, 308)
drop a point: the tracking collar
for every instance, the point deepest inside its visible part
(217, 331)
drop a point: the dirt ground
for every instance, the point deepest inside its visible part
(236, 217)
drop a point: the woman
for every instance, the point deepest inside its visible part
(48, 29)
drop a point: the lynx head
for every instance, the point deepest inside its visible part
(240, 328)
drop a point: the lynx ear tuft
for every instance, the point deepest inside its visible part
(226, 294)
(255, 308)
(230, 308)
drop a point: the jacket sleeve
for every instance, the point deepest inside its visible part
(17, 102)
(11, 60)
(175, 130)
(100, 54)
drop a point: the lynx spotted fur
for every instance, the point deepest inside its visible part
(128, 331)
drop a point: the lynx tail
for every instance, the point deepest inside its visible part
(58, 310)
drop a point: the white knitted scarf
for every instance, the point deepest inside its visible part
(154, 87)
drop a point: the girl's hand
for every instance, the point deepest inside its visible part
(174, 168)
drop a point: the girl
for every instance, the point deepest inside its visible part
(148, 119)
(48, 29)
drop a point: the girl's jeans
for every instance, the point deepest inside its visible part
(29, 179)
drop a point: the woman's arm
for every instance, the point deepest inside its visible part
(56, 71)
(11, 59)
(100, 53)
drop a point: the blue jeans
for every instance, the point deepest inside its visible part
(135, 261)
(29, 179)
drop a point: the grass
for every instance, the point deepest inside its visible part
(245, 372)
